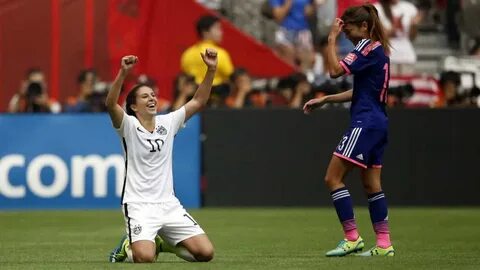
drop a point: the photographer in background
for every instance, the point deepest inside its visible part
(32, 96)
(81, 103)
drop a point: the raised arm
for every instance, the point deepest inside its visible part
(202, 94)
(280, 12)
(334, 68)
(116, 112)
(319, 102)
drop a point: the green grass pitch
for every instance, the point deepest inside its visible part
(246, 238)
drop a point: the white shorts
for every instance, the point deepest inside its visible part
(169, 220)
(301, 39)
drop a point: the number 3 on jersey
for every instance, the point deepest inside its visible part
(155, 144)
(342, 143)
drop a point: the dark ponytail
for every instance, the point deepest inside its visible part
(132, 98)
(369, 14)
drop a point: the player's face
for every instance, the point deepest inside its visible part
(354, 32)
(146, 101)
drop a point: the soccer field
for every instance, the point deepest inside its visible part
(246, 238)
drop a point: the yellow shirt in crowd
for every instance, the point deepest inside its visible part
(192, 63)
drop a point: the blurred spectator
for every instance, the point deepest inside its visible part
(185, 87)
(453, 8)
(242, 93)
(449, 85)
(292, 91)
(249, 16)
(294, 35)
(398, 95)
(413, 91)
(32, 96)
(456, 95)
(86, 81)
(210, 33)
(96, 99)
(400, 19)
(326, 14)
(475, 50)
(163, 105)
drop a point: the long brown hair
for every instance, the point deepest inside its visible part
(132, 98)
(369, 14)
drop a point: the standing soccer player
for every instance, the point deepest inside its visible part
(364, 142)
(154, 218)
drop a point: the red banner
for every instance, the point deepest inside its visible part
(159, 31)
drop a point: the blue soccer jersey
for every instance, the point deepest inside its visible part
(371, 69)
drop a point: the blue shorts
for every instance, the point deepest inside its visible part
(363, 146)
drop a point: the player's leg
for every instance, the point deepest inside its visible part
(199, 246)
(182, 235)
(119, 253)
(338, 168)
(377, 206)
(139, 244)
(352, 242)
(377, 203)
(140, 251)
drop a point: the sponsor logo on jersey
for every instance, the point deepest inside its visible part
(360, 157)
(138, 128)
(162, 130)
(350, 58)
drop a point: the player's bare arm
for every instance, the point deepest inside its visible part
(319, 102)
(116, 112)
(334, 68)
(200, 99)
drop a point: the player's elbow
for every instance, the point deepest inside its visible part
(201, 103)
(334, 74)
(109, 104)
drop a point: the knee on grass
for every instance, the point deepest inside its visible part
(143, 257)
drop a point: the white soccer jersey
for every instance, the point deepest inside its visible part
(148, 158)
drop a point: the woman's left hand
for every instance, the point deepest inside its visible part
(210, 58)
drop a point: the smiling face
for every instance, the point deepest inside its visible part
(145, 102)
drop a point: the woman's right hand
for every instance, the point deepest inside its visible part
(337, 27)
(313, 104)
(128, 62)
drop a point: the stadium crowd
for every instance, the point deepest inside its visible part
(296, 30)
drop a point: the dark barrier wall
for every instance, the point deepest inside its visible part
(279, 158)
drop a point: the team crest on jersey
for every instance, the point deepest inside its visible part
(137, 229)
(162, 130)
(350, 58)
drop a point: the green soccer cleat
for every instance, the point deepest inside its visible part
(119, 254)
(346, 247)
(378, 251)
(158, 245)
